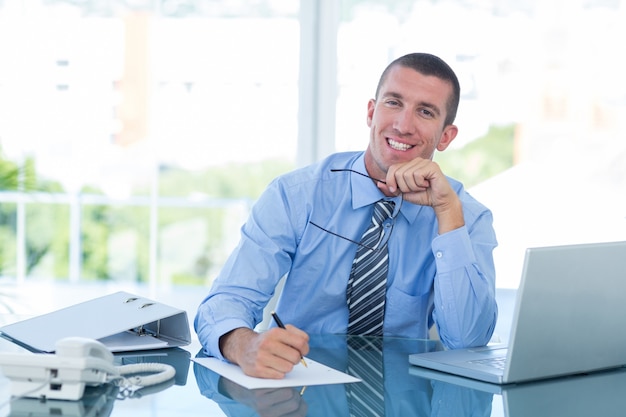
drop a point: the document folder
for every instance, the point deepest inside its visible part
(122, 321)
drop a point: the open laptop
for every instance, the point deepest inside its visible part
(569, 318)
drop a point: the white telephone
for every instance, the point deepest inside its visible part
(78, 362)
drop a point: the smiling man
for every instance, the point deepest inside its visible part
(429, 260)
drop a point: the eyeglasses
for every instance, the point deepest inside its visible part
(387, 226)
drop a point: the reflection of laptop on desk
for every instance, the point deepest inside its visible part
(596, 394)
(569, 318)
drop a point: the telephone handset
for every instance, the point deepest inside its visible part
(95, 359)
(78, 362)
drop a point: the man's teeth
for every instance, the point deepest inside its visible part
(398, 146)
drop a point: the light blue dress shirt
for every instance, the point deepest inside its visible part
(446, 279)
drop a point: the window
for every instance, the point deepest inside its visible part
(150, 127)
(147, 130)
(540, 134)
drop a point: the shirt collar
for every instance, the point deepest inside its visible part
(364, 192)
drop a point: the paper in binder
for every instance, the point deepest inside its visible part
(122, 321)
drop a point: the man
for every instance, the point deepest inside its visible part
(308, 224)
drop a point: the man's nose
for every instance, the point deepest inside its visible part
(404, 122)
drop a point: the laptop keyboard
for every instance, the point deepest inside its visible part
(496, 362)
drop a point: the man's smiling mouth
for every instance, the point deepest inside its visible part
(398, 146)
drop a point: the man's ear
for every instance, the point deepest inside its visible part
(371, 106)
(448, 135)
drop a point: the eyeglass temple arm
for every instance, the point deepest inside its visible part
(356, 172)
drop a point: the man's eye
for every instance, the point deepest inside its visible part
(427, 113)
(393, 103)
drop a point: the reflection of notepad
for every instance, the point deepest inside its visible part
(122, 321)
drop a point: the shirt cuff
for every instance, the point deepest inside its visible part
(453, 250)
(219, 331)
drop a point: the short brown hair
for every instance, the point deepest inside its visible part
(428, 64)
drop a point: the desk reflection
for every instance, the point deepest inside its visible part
(96, 402)
(99, 401)
(595, 394)
(404, 394)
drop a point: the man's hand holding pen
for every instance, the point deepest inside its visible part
(282, 326)
(271, 354)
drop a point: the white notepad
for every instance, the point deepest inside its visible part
(314, 374)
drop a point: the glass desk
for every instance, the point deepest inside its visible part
(405, 390)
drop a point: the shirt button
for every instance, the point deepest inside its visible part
(439, 255)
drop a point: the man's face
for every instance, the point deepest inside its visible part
(406, 121)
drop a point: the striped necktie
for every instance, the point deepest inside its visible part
(368, 278)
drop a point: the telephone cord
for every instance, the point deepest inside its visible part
(156, 374)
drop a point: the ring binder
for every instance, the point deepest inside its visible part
(122, 321)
